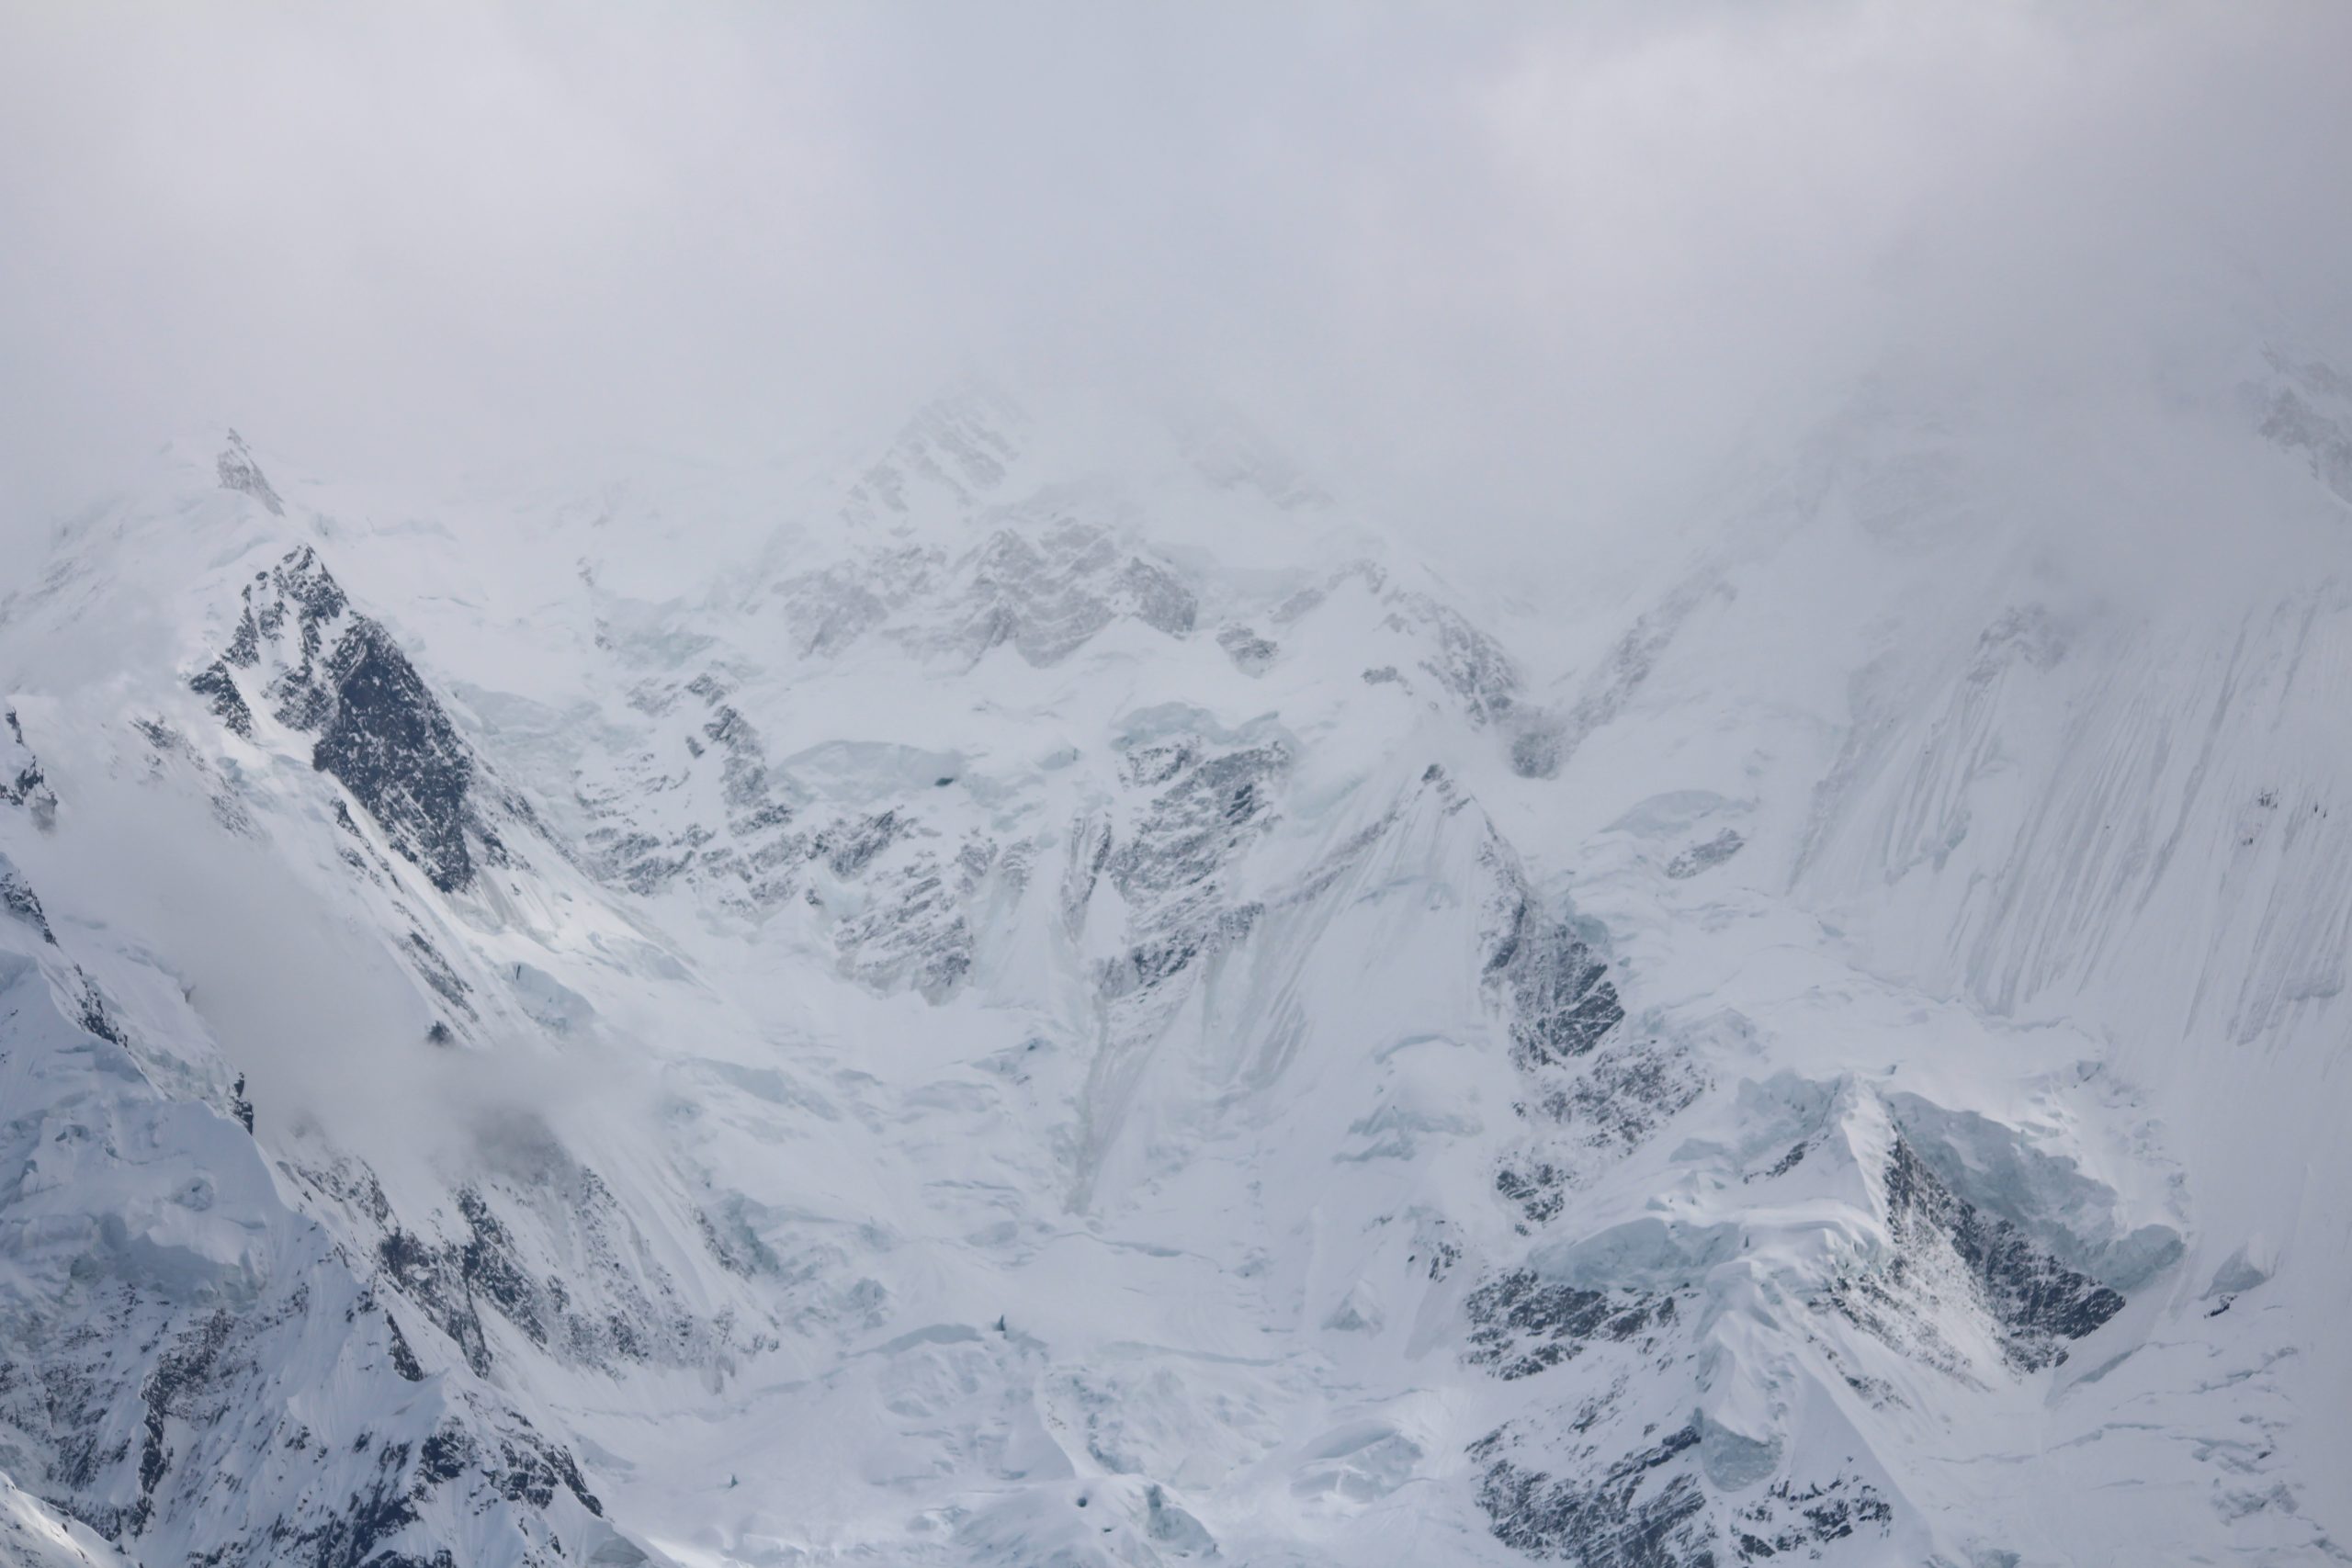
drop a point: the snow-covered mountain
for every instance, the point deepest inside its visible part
(1056, 997)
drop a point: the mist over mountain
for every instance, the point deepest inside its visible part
(1048, 787)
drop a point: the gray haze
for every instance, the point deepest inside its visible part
(1529, 265)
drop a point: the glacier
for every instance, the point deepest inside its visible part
(1059, 995)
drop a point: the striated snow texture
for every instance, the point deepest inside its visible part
(1071, 1004)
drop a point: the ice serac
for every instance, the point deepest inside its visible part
(1065, 1002)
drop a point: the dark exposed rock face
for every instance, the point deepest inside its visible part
(22, 783)
(1210, 805)
(18, 900)
(240, 472)
(393, 748)
(1792, 1521)
(848, 847)
(1537, 1186)
(1651, 1506)
(1520, 1324)
(749, 792)
(454, 1281)
(437, 972)
(1582, 1119)
(328, 670)
(1561, 1002)
(1629, 1089)
(2034, 1302)
(215, 683)
(1644, 1511)
(754, 853)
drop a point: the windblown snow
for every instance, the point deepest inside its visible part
(1056, 998)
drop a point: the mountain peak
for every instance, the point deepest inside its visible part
(239, 471)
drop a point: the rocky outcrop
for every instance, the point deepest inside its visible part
(391, 745)
(1049, 587)
(323, 668)
(218, 688)
(22, 783)
(239, 472)
(1946, 1253)
(1790, 1519)
(1211, 798)
(1467, 662)
(1558, 993)
(18, 901)
(1642, 1510)
(485, 1267)
(1521, 1325)
(917, 931)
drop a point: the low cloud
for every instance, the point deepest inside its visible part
(1524, 268)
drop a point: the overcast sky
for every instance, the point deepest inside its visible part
(1463, 250)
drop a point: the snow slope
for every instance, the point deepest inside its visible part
(1059, 998)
